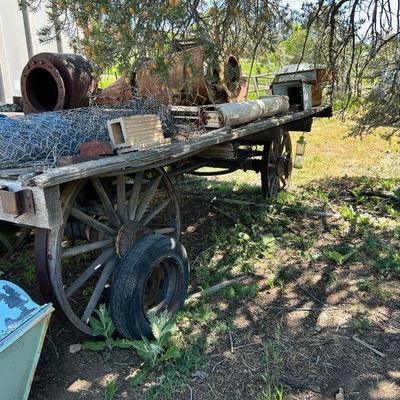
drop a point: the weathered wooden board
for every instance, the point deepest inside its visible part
(46, 204)
(162, 156)
(136, 132)
(16, 172)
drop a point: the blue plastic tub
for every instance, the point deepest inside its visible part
(23, 325)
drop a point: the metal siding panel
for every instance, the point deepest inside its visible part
(307, 96)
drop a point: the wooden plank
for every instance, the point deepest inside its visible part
(160, 156)
(16, 172)
(46, 204)
(224, 150)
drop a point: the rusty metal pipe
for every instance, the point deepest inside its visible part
(51, 82)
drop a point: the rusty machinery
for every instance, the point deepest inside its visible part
(193, 78)
(51, 82)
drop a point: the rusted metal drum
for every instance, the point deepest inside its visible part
(52, 81)
(193, 78)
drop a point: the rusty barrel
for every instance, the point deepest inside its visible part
(52, 81)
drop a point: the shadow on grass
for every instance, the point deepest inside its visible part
(298, 282)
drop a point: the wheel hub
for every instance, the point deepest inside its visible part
(127, 235)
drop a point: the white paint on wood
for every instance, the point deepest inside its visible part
(136, 132)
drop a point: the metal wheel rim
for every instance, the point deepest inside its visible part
(50, 244)
(166, 288)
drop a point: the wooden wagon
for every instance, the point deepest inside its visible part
(91, 218)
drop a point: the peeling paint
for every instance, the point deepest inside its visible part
(16, 307)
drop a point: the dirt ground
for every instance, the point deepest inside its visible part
(315, 314)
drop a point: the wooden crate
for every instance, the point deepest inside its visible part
(137, 132)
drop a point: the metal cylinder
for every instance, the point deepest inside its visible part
(51, 82)
(193, 78)
(233, 114)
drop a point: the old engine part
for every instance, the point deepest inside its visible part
(192, 79)
(52, 82)
(234, 114)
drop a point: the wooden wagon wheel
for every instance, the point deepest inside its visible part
(122, 208)
(276, 165)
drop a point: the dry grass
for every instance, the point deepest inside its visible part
(331, 153)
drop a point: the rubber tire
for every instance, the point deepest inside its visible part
(130, 277)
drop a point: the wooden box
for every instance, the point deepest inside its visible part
(137, 132)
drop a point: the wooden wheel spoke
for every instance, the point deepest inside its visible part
(89, 271)
(272, 184)
(133, 200)
(84, 248)
(154, 212)
(98, 290)
(276, 149)
(272, 155)
(122, 209)
(99, 226)
(165, 231)
(106, 202)
(282, 146)
(148, 195)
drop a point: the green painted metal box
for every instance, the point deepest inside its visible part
(23, 325)
(299, 93)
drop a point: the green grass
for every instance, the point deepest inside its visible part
(109, 76)
(258, 68)
(331, 153)
(285, 275)
(110, 390)
(272, 360)
(375, 288)
(360, 324)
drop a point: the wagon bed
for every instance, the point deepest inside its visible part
(110, 203)
(159, 156)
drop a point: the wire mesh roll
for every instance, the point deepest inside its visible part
(40, 139)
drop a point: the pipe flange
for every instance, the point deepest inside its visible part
(49, 67)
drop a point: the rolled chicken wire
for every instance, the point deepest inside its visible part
(40, 139)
